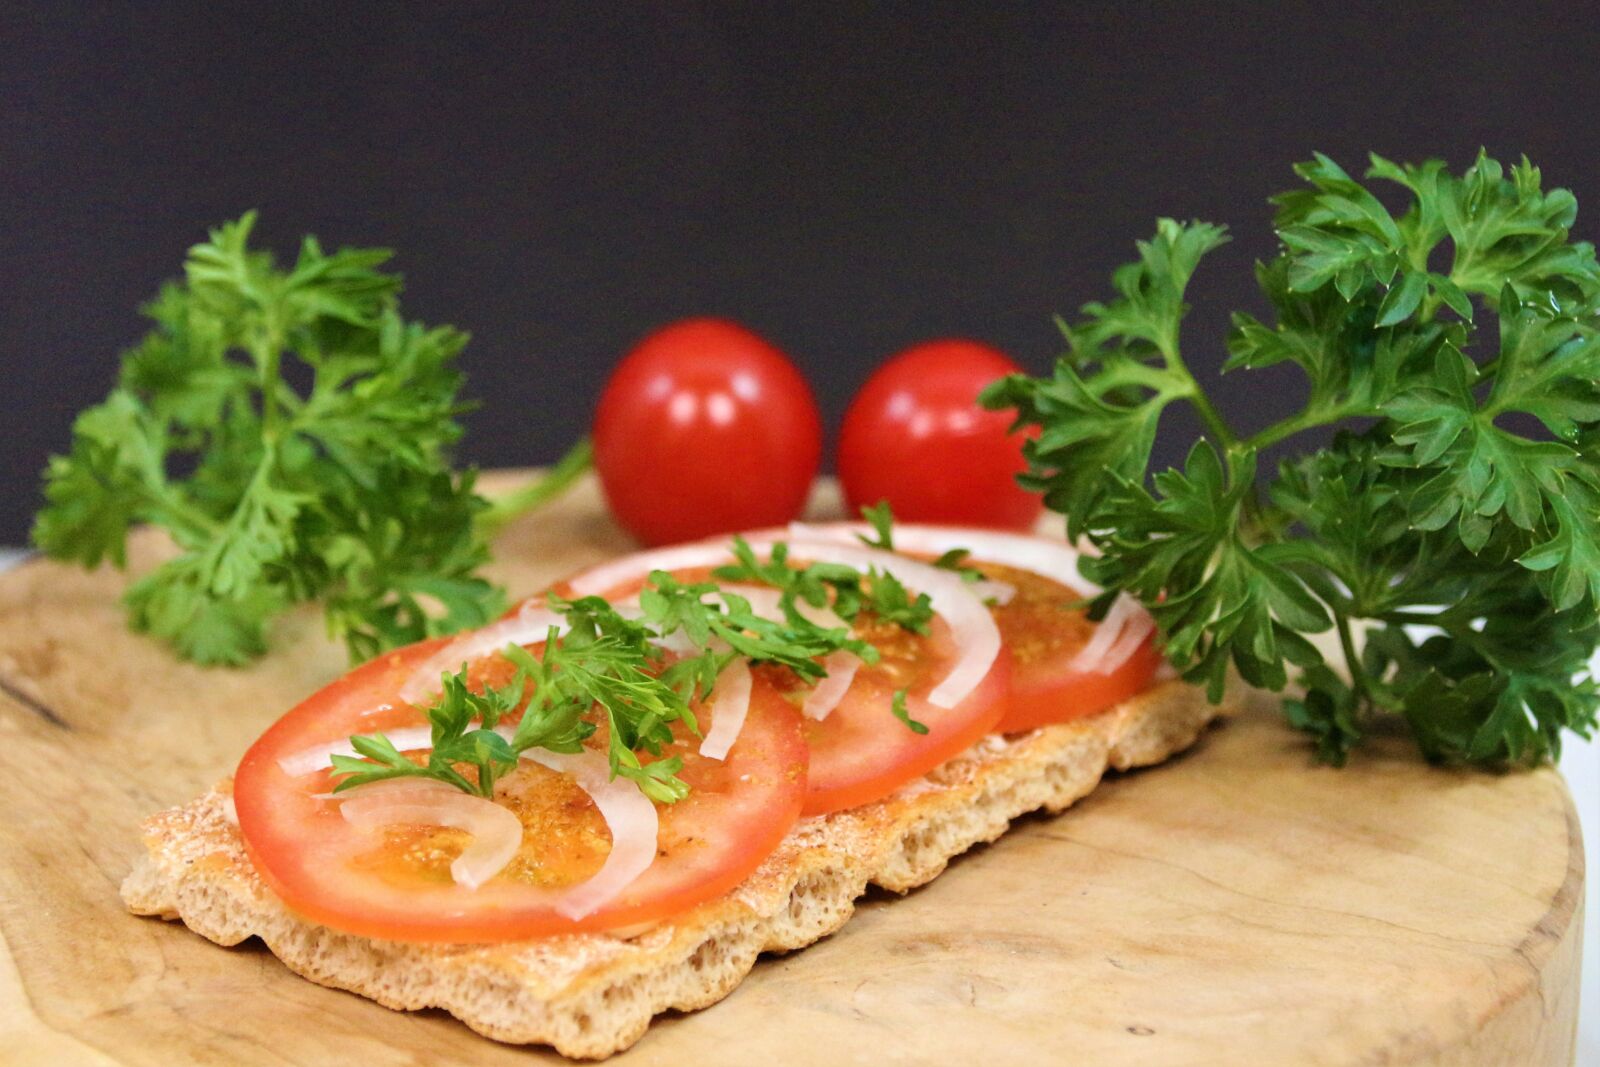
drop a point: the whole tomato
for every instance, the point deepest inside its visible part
(705, 428)
(915, 436)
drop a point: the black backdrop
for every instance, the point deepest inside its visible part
(845, 178)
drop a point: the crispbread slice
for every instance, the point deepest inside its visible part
(591, 995)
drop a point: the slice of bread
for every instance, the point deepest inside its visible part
(591, 995)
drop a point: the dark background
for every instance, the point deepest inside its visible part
(845, 178)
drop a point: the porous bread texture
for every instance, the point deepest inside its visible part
(591, 995)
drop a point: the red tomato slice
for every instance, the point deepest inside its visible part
(1044, 632)
(1041, 625)
(397, 886)
(861, 752)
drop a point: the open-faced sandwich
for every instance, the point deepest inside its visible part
(610, 802)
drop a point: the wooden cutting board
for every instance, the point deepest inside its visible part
(1239, 905)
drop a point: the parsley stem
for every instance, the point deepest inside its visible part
(163, 498)
(1280, 430)
(267, 352)
(1197, 396)
(557, 479)
(1358, 676)
(1212, 417)
(1306, 420)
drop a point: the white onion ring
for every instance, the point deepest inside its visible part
(1135, 631)
(730, 704)
(601, 579)
(993, 592)
(1096, 656)
(976, 636)
(841, 666)
(629, 815)
(496, 832)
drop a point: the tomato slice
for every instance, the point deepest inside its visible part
(1042, 625)
(861, 752)
(1044, 632)
(396, 884)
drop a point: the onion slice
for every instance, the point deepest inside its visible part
(629, 815)
(826, 694)
(1115, 639)
(730, 704)
(993, 592)
(496, 832)
(1136, 630)
(601, 579)
(971, 626)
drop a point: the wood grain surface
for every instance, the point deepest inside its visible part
(1238, 905)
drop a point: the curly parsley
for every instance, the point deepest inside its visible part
(1456, 514)
(277, 491)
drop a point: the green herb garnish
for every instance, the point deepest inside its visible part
(898, 706)
(291, 432)
(1455, 515)
(876, 592)
(612, 666)
(881, 517)
(463, 722)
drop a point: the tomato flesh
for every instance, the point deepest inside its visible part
(1044, 631)
(396, 885)
(861, 753)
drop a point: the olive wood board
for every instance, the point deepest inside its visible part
(1239, 905)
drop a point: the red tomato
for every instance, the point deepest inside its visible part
(399, 887)
(915, 436)
(1043, 631)
(705, 428)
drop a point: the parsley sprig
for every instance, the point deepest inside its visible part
(291, 432)
(463, 722)
(1455, 516)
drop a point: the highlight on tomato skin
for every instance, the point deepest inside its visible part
(705, 427)
(915, 436)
